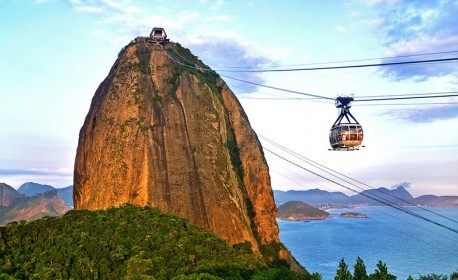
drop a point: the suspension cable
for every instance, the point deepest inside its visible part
(433, 95)
(322, 167)
(345, 66)
(363, 194)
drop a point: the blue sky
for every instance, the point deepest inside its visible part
(54, 54)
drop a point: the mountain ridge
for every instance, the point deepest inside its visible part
(31, 188)
(399, 196)
(29, 208)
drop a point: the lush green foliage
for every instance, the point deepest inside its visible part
(434, 276)
(342, 272)
(380, 273)
(360, 270)
(128, 243)
(194, 66)
(234, 153)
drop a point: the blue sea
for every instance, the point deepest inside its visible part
(408, 245)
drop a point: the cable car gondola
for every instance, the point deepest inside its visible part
(349, 135)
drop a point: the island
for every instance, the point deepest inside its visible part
(299, 211)
(353, 215)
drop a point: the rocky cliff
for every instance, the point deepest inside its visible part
(165, 131)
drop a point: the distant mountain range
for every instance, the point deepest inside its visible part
(373, 197)
(31, 189)
(33, 201)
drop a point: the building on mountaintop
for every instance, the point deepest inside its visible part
(157, 35)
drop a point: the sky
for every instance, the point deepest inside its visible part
(54, 54)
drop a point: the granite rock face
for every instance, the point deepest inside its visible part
(175, 137)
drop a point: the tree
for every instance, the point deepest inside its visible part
(454, 275)
(126, 243)
(342, 272)
(433, 276)
(359, 270)
(381, 273)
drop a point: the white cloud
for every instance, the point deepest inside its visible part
(340, 29)
(416, 27)
(374, 23)
(44, 1)
(382, 2)
(217, 5)
(88, 9)
(61, 177)
(99, 6)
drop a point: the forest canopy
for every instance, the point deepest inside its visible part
(130, 242)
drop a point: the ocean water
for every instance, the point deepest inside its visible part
(408, 245)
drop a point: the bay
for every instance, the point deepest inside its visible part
(407, 244)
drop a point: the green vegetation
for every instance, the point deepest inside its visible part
(342, 272)
(126, 243)
(143, 66)
(434, 276)
(142, 243)
(380, 273)
(157, 98)
(174, 80)
(234, 153)
(194, 66)
(359, 270)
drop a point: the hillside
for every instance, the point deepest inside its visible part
(67, 195)
(8, 195)
(31, 188)
(438, 201)
(313, 196)
(33, 207)
(130, 242)
(297, 210)
(398, 196)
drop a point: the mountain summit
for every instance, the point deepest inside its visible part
(164, 130)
